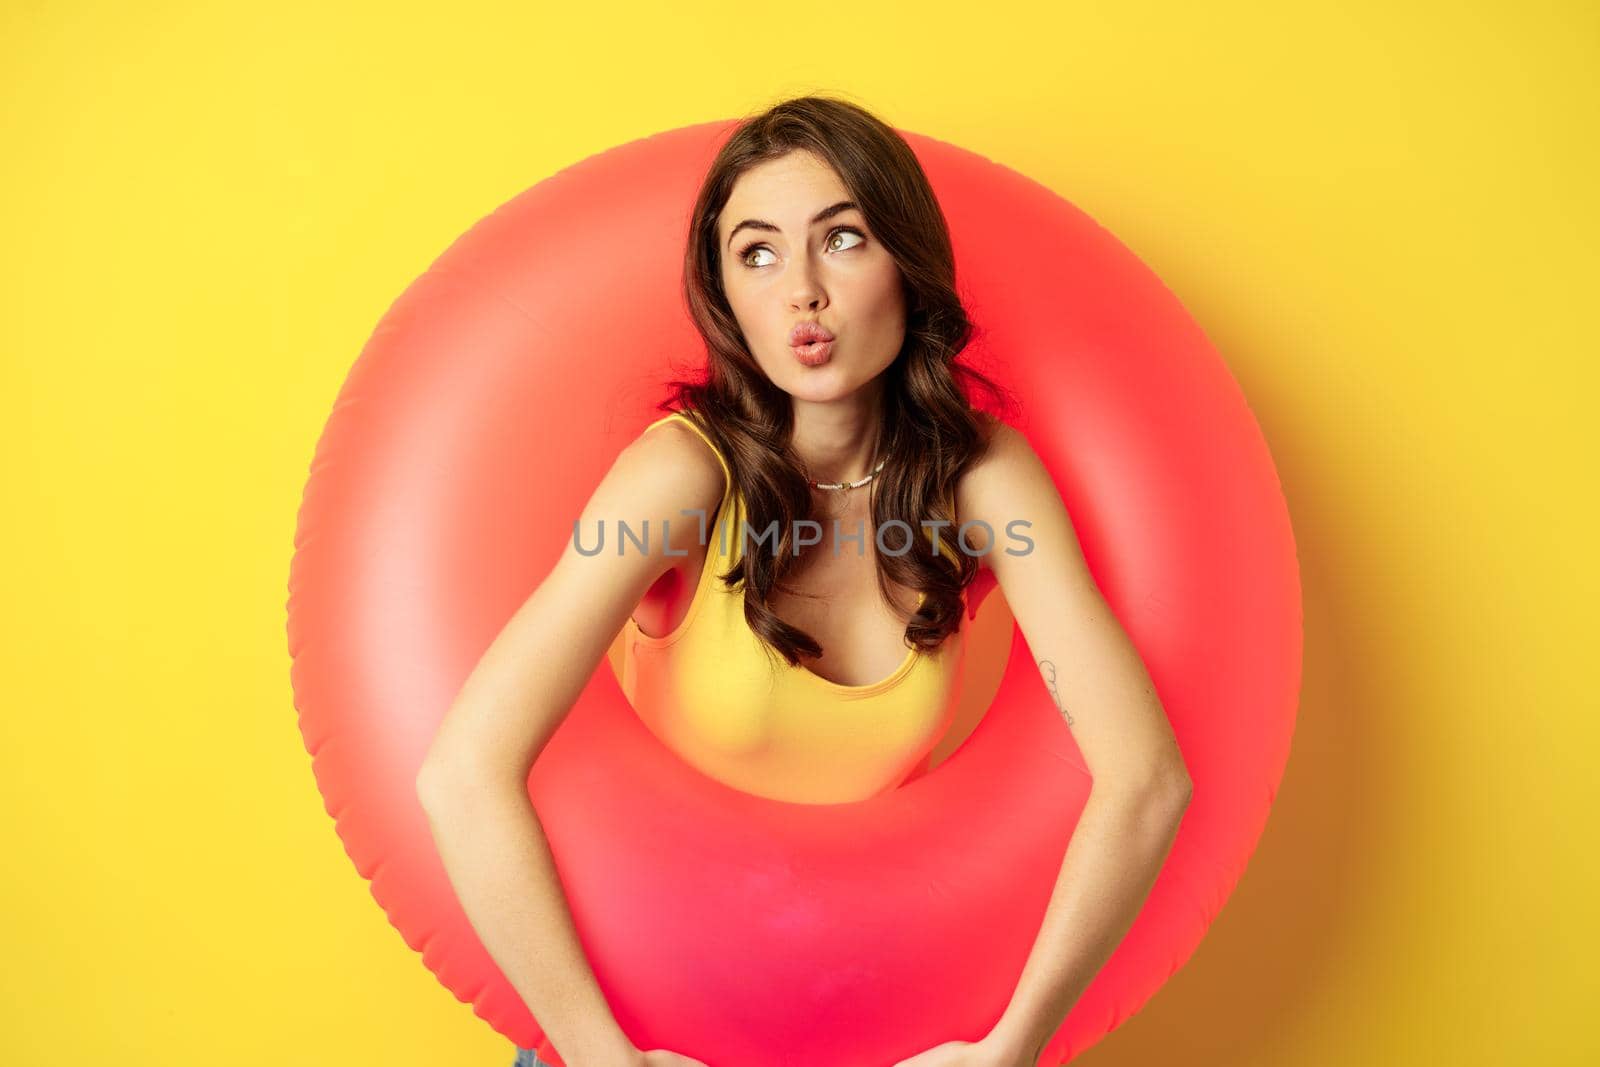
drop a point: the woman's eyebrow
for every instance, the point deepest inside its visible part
(763, 224)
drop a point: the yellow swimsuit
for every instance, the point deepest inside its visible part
(709, 692)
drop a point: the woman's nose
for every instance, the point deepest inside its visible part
(807, 292)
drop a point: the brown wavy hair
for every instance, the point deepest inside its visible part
(931, 430)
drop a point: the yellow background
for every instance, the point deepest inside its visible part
(1383, 216)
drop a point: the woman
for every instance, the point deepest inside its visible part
(819, 271)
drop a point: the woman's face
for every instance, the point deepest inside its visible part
(791, 255)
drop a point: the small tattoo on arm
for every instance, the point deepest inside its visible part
(1048, 669)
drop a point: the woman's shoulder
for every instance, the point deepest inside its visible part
(1003, 482)
(675, 451)
(657, 482)
(1005, 449)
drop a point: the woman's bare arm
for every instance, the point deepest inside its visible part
(1094, 674)
(473, 783)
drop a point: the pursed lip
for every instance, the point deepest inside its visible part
(804, 333)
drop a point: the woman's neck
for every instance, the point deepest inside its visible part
(836, 442)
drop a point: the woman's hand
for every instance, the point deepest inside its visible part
(990, 1052)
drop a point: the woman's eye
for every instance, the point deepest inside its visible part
(751, 251)
(844, 232)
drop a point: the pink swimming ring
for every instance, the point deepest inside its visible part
(736, 929)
